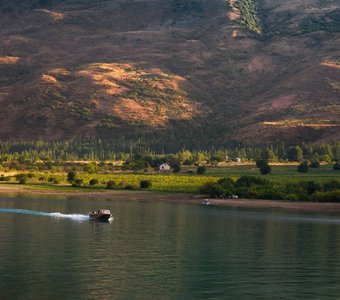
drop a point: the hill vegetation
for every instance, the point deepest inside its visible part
(204, 73)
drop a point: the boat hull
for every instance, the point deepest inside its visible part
(101, 218)
(101, 215)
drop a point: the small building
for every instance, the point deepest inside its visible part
(238, 159)
(164, 167)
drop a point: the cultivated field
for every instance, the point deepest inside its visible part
(187, 180)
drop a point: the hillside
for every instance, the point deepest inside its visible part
(199, 72)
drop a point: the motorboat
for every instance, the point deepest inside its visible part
(101, 215)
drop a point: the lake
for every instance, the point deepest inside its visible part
(156, 250)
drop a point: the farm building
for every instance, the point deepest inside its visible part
(164, 167)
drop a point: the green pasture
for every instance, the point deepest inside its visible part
(281, 172)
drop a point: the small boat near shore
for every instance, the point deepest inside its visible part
(206, 202)
(101, 215)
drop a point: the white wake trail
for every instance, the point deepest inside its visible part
(44, 213)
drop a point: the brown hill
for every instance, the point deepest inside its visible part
(208, 70)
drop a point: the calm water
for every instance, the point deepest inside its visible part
(164, 251)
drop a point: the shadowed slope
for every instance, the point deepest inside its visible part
(73, 68)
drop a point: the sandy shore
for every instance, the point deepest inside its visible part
(10, 190)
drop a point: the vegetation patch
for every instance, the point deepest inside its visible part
(329, 22)
(184, 8)
(249, 14)
(257, 188)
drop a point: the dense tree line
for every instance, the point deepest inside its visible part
(97, 149)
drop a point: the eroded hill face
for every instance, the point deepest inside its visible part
(244, 70)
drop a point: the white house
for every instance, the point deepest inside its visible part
(164, 167)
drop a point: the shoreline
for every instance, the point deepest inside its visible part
(9, 190)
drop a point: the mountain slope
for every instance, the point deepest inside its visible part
(212, 70)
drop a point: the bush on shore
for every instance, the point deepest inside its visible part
(257, 188)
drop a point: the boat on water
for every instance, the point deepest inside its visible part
(101, 215)
(206, 202)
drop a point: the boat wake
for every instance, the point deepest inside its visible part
(56, 215)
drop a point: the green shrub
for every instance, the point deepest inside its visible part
(91, 168)
(265, 169)
(303, 167)
(315, 164)
(330, 196)
(216, 159)
(226, 186)
(292, 197)
(331, 185)
(176, 167)
(78, 182)
(261, 162)
(211, 189)
(250, 180)
(93, 181)
(111, 185)
(22, 178)
(293, 188)
(71, 176)
(145, 184)
(250, 17)
(336, 166)
(188, 162)
(201, 169)
(310, 187)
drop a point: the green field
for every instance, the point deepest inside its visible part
(164, 183)
(282, 172)
(160, 183)
(187, 180)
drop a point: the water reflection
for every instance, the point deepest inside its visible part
(164, 250)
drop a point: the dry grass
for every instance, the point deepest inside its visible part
(136, 95)
(56, 16)
(299, 123)
(50, 79)
(8, 60)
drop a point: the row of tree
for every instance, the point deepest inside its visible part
(97, 149)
